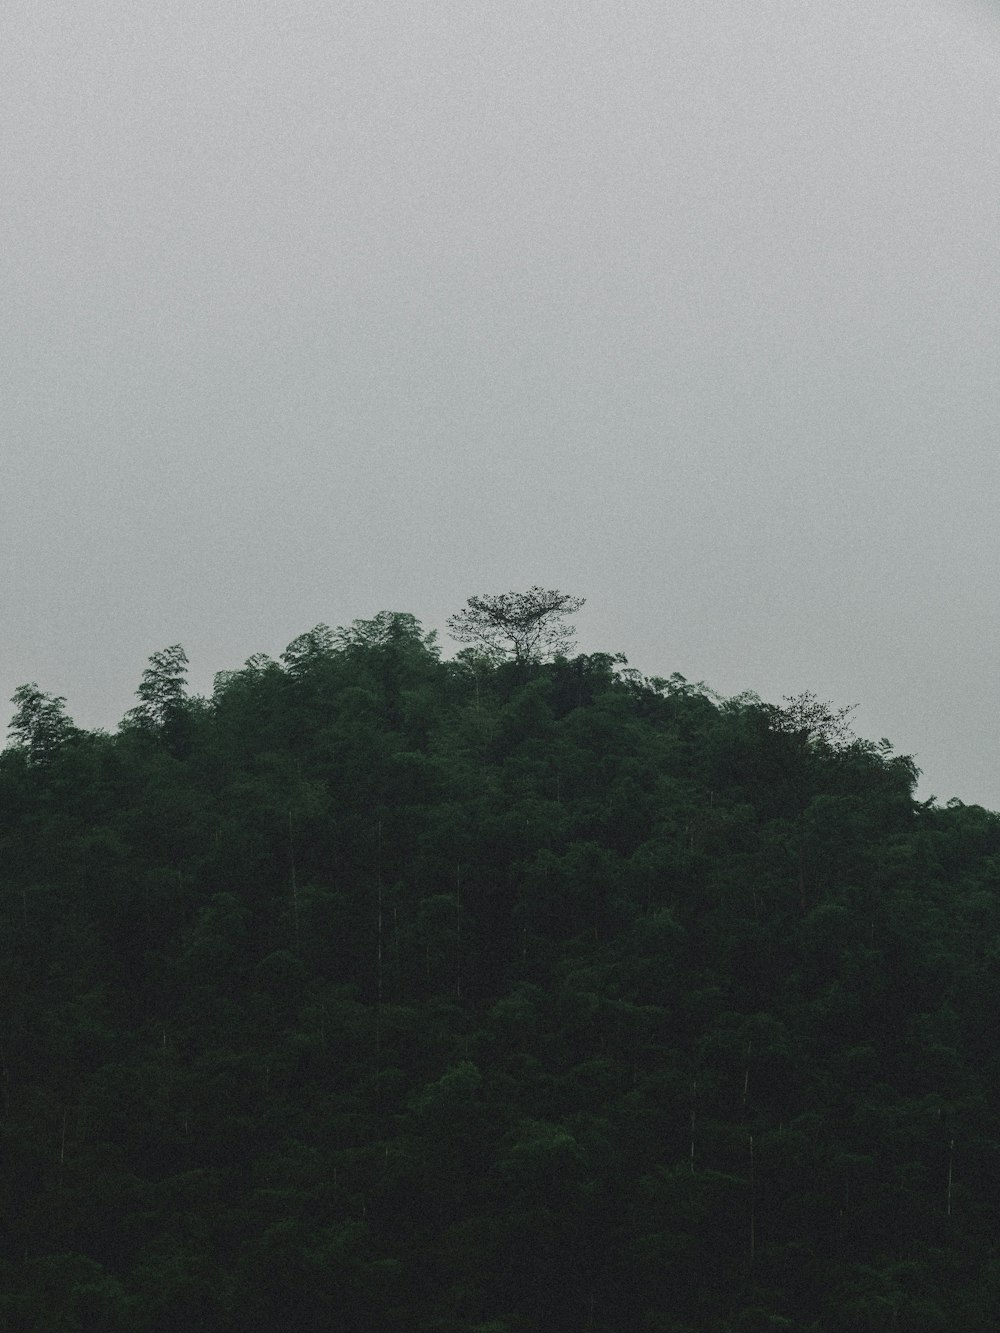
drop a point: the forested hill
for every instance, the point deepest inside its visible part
(384, 992)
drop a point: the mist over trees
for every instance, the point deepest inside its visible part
(513, 993)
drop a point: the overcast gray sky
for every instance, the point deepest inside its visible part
(691, 307)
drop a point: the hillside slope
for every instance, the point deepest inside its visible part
(379, 991)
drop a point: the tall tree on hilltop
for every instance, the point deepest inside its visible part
(525, 626)
(308, 650)
(163, 703)
(40, 725)
(811, 719)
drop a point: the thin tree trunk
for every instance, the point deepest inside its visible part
(694, 1093)
(753, 1204)
(295, 883)
(458, 928)
(378, 945)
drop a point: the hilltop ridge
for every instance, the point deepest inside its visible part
(486, 995)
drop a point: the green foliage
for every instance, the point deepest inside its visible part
(40, 726)
(161, 690)
(495, 994)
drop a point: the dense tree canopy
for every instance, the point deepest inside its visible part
(40, 726)
(382, 991)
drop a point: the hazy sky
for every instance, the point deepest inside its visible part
(691, 307)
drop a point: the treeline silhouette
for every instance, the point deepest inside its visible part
(381, 991)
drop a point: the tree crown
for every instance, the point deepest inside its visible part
(161, 692)
(526, 626)
(40, 724)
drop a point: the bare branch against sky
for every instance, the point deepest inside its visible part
(311, 310)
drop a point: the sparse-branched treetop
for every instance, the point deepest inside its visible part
(526, 626)
(802, 715)
(807, 716)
